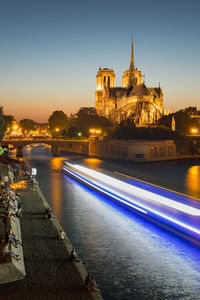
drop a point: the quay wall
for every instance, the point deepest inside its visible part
(135, 150)
(132, 150)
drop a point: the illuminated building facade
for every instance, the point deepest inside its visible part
(133, 100)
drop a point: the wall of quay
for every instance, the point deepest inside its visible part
(131, 150)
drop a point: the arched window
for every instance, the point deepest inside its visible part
(104, 80)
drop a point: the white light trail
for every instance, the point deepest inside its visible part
(104, 191)
(143, 208)
(135, 191)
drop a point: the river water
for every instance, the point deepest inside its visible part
(130, 257)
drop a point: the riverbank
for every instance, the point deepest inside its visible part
(49, 274)
(129, 257)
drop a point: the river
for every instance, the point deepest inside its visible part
(130, 257)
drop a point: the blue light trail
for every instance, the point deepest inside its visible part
(176, 214)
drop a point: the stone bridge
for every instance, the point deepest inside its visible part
(57, 145)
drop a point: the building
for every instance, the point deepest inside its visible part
(42, 129)
(193, 112)
(133, 100)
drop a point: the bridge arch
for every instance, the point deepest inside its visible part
(20, 144)
(57, 145)
(38, 146)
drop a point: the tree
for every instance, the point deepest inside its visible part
(57, 122)
(87, 118)
(127, 132)
(72, 132)
(8, 121)
(27, 125)
(2, 123)
(183, 122)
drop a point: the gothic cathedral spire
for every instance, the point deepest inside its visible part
(132, 79)
(132, 60)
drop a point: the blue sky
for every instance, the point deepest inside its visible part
(52, 49)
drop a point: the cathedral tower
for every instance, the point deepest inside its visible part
(105, 79)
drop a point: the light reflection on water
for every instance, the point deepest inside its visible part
(56, 188)
(129, 257)
(92, 162)
(193, 181)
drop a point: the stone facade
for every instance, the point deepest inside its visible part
(135, 150)
(133, 100)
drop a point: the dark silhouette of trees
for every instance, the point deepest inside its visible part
(183, 122)
(27, 125)
(2, 123)
(126, 132)
(9, 120)
(58, 123)
(72, 132)
(85, 119)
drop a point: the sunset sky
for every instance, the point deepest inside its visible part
(51, 51)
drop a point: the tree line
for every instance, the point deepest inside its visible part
(59, 124)
(79, 124)
(76, 125)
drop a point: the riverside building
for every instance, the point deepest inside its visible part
(133, 100)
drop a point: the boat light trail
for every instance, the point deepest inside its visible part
(135, 191)
(111, 187)
(104, 191)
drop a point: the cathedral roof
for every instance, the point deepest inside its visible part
(117, 92)
(156, 90)
(139, 90)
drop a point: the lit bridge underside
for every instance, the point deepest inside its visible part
(162, 205)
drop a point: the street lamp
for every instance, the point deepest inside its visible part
(194, 131)
(95, 132)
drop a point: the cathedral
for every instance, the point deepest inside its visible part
(133, 100)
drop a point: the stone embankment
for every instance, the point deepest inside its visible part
(49, 273)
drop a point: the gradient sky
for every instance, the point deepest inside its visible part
(50, 51)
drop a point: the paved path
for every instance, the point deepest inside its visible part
(49, 274)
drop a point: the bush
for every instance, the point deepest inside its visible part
(141, 133)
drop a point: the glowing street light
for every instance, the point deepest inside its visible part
(95, 132)
(194, 131)
(57, 129)
(15, 130)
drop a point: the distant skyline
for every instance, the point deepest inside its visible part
(51, 51)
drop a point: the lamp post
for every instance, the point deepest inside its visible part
(57, 132)
(95, 132)
(194, 131)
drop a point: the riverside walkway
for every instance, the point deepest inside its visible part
(49, 274)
